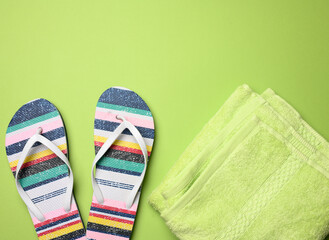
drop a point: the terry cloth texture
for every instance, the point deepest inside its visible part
(256, 170)
(44, 176)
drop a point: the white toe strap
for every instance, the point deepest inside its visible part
(114, 135)
(68, 194)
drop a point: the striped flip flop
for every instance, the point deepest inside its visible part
(123, 137)
(37, 152)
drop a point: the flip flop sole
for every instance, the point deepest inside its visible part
(43, 175)
(121, 166)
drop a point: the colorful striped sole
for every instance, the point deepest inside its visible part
(121, 166)
(43, 175)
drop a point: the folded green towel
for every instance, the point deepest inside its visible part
(255, 171)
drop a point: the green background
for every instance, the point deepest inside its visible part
(184, 58)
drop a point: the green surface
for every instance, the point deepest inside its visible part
(183, 57)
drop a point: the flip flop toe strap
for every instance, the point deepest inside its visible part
(108, 143)
(28, 146)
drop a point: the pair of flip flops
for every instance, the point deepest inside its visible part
(37, 151)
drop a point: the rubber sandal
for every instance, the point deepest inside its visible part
(37, 152)
(123, 138)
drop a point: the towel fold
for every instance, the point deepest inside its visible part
(256, 170)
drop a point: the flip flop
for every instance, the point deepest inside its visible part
(37, 152)
(123, 138)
